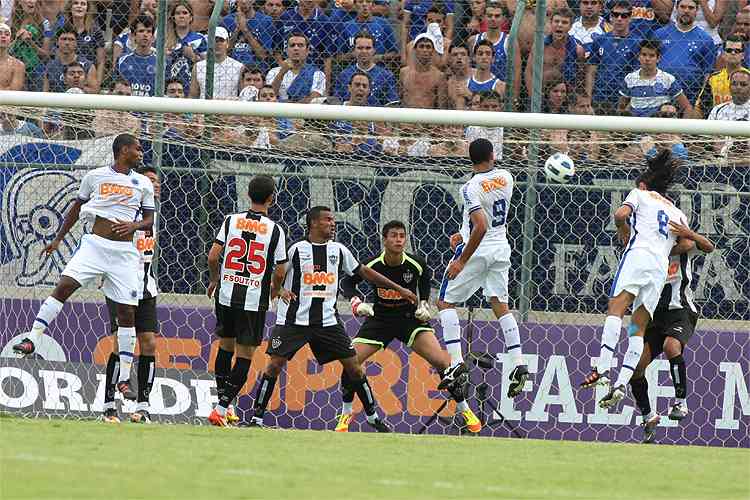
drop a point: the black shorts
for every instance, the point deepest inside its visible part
(381, 332)
(145, 316)
(675, 323)
(246, 327)
(328, 343)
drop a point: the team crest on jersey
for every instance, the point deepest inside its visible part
(408, 276)
(134, 181)
(276, 342)
(333, 259)
(133, 293)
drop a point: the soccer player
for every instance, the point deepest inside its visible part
(670, 329)
(643, 227)
(307, 312)
(250, 248)
(481, 260)
(392, 317)
(146, 327)
(109, 196)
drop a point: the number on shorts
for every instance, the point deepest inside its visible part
(499, 213)
(663, 219)
(252, 255)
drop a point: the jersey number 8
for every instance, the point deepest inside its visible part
(252, 254)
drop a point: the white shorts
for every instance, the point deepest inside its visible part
(487, 269)
(117, 261)
(641, 273)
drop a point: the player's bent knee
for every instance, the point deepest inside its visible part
(65, 288)
(147, 343)
(125, 315)
(672, 347)
(353, 367)
(244, 351)
(226, 344)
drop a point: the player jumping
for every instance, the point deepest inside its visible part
(109, 196)
(307, 312)
(481, 260)
(670, 330)
(643, 227)
(146, 327)
(251, 249)
(392, 317)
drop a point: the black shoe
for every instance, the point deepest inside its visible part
(649, 429)
(451, 374)
(126, 390)
(613, 397)
(24, 348)
(679, 411)
(257, 422)
(458, 389)
(518, 378)
(379, 425)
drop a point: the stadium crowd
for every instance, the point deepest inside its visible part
(665, 58)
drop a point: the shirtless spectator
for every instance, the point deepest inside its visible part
(422, 84)
(12, 71)
(436, 27)
(528, 24)
(110, 122)
(459, 95)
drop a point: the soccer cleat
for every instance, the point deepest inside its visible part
(614, 396)
(126, 390)
(24, 348)
(379, 425)
(256, 422)
(679, 411)
(518, 378)
(110, 416)
(594, 378)
(231, 416)
(140, 417)
(473, 424)
(215, 418)
(452, 373)
(649, 428)
(343, 423)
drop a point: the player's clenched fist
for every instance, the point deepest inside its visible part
(455, 240)
(423, 312)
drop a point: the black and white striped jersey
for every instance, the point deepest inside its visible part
(313, 276)
(145, 243)
(678, 292)
(253, 246)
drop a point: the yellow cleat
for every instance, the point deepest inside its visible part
(472, 422)
(231, 416)
(343, 424)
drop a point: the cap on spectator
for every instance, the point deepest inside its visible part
(5, 27)
(222, 33)
(427, 36)
(249, 94)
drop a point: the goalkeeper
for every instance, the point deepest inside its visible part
(392, 317)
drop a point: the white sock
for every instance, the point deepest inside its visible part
(610, 337)
(512, 338)
(48, 311)
(372, 418)
(462, 406)
(346, 408)
(452, 334)
(126, 342)
(630, 361)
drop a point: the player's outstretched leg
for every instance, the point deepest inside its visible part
(112, 372)
(222, 372)
(364, 352)
(512, 336)
(673, 351)
(146, 372)
(48, 311)
(265, 388)
(637, 330)
(358, 382)
(610, 337)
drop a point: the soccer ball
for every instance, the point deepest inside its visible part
(559, 168)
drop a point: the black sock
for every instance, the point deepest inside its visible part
(679, 376)
(263, 395)
(111, 375)
(146, 371)
(639, 386)
(347, 391)
(235, 382)
(222, 370)
(364, 391)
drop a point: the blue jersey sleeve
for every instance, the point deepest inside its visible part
(389, 38)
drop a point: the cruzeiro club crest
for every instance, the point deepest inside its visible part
(408, 276)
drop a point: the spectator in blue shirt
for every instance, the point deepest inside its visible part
(414, 19)
(647, 89)
(342, 12)
(185, 47)
(355, 136)
(649, 15)
(310, 20)
(612, 56)
(383, 89)
(742, 29)
(65, 54)
(386, 48)
(274, 9)
(139, 67)
(651, 145)
(251, 35)
(688, 52)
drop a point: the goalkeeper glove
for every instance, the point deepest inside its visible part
(423, 313)
(360, 308)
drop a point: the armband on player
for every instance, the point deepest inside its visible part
(360, 308)
(423, 312)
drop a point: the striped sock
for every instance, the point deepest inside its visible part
(512, 338)
(48, 311)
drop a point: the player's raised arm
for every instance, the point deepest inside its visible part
(378, 279)
(684, 233)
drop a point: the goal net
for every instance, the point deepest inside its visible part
(371, 171)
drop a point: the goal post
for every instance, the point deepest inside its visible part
(373, 165)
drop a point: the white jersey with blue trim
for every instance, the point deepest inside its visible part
(491, 192)
(649, 223)
(115, 196)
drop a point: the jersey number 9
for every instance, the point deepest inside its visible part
(663, 219)
(499, 213)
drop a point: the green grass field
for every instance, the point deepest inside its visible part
(72, 459)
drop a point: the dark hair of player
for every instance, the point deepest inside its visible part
(122, 141)
(394, 224)
(144, 169)
(143, 19)
(660, 172)
(651, 44)
(314, 214)
(260, 188)
(480, 151)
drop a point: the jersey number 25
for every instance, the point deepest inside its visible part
(242, 256)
